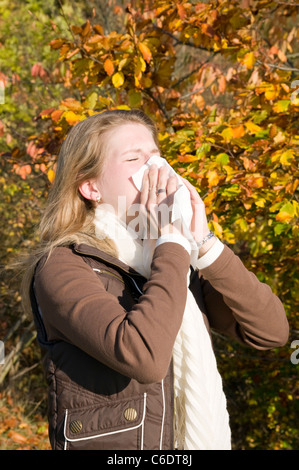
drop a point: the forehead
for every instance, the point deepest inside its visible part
(129, 136)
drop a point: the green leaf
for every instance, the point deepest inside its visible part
(91, 100)
(231, 191)
(135, 98)
(280, 228)
(281, 106)
(222, 158)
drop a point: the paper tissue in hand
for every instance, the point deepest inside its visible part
(181, 209)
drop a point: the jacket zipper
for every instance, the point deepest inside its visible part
(109, 262)
(104, 271)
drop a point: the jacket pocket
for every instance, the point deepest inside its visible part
(117, 425)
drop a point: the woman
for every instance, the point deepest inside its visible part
(123, 319)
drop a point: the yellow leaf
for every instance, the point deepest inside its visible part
(254, 128)
(216, 228)
(51, 175)
(139, 67)
(124, 106)
(272, 92)
(287, 157)
(283, 216)
(145, 51)
(109, 67)
(72, 118)
(249, 60)
(227, 134)
(123, 63)
(118, 79)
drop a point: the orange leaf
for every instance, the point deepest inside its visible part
(56, 115)
(208, 30)
(17, 437)
(145, 51)
(56, 43)
(72, 104)
(238, 131)
(213, 178)
(187, 158)
(222, 84)
(22, 170)
(181, 11)
(109, 67)
(255, 181)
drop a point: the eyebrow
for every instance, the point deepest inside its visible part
(156, 150)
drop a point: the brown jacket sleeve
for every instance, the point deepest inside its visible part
(76, 308)
(241, 306)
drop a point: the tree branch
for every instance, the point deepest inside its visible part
(279, 67)
(178, 41)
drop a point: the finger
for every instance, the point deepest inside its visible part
(152, 190)
(145, 188)
(172, 185)
(162, 183)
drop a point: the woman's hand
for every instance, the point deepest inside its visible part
(156, 199)
(199, 224)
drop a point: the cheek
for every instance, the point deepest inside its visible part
(118, 183)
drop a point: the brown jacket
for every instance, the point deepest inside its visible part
(108, 334)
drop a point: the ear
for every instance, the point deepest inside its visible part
(89, 190)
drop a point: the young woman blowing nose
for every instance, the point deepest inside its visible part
(124, 294)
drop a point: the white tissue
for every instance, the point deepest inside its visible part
(181, 209)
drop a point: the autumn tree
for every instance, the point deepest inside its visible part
(220, 79)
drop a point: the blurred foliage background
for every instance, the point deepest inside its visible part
(221, 80)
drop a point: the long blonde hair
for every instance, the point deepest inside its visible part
(68, 216)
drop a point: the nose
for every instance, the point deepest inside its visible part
(151, 155)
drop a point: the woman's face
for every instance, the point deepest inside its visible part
(129, 146)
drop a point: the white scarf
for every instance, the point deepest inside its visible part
(201, 419)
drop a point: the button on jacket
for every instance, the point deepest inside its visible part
(108, 335)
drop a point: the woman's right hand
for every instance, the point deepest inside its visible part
(156, 199)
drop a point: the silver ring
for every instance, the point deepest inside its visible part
(161, 191)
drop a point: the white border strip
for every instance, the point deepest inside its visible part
(163, 414)
(67, 439)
